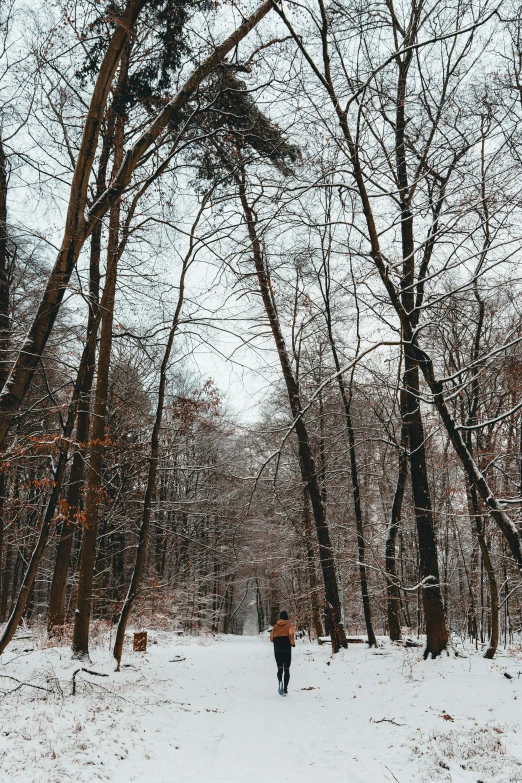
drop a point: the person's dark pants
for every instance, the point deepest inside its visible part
(283, 660)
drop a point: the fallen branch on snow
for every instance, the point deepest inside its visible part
(22, 684)
(87, 671)
(388, 720)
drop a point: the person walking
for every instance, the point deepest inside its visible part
(282, 635)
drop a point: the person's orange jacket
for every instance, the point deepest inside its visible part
(283, 628)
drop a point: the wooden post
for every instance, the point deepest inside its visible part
(140, 641)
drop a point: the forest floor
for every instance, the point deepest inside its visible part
(207, 709)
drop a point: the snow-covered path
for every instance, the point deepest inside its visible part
(236, 727)
(194, 710)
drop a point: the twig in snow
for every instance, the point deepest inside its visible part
(388, 720)
(391, 773)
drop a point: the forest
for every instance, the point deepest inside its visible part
(260, 332)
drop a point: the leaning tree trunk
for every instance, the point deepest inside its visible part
(78, 227)
(32, 568)
(59, 474)
(306, 457)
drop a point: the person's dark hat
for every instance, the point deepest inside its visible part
(283, 616)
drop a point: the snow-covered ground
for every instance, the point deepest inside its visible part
(192, 710)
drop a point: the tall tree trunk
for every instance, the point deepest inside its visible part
(260, 608)
(306, 457)
(488, 567)
(274, 602)
(310, 562)
(215, 596)
(80, 641)
(6, 580)
(393, 602)
(82, 616)
(228, 604)
(322, 452)
(471, 488)
(4, 272)
(436, 631)
(4, 328)
(56, 608)
(346, 396)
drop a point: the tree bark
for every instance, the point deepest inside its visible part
(436, 631)
(306, 458)
(228, 604)
(5, 325)
(393, 602)
(6, 580)
(4, 329)
(310, 561)
(80, 641)
(260, 608)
